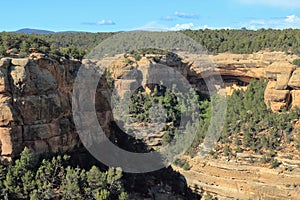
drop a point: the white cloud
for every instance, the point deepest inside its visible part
(213, 28)
(185, 15)
(276, 3)
(105, 22)
(194, 27)
(100, 23)
(291, 21)
(155, 26)
(183, 26)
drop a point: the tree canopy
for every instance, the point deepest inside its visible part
(76, 45)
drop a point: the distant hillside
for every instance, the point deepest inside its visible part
(35, 31)
(41, 32)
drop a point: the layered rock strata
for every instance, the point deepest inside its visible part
(36, 92)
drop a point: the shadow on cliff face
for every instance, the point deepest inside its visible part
(163, 183)
(142, 179)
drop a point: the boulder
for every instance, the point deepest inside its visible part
(279, 68)
(20, 61)
(277, 95)
(122, 86)
(4, 83)
(276, 99)
(5, 62)
(282, 81)
(294, 81)
(295, 98)
(12, 52)
(277, 106)
(280, 72)
(6, 115)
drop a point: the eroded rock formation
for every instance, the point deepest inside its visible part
(241, 179)
(284, 78)
(35, 108)
(36, 92)
(36, 105)
(283, 87)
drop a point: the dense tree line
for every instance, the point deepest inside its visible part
(76, 45)
(70, 45)
(251, 126)
(247, 41)
(53, 178)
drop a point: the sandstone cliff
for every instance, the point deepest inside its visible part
(35, 96)
(35, 92)
(35, 104)
(36, 110)
(283, 87)
(238, 179)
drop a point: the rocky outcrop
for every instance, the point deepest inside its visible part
(281, 73)
(36, 111)
(35, 102)
(284, 78)
(294, 81)
(35, 92)
(276, 99)
(149, 69)
(295, 98)
(242, 180)
(283, 87)
(36, 105)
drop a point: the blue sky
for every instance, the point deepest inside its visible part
(125, 15)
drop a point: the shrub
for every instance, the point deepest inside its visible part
(296, 62)
(128, 61)
(265, 159)
(227, 150)
(183, 164)
(274, 163)
(137, 57)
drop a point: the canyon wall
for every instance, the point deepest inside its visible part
(36, 92)
(241, 179)
(284, 78)
(36, 105)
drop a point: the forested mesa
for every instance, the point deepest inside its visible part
(76, 45)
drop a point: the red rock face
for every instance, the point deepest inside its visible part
(35, 105)
(36, 96)
(283, 87)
